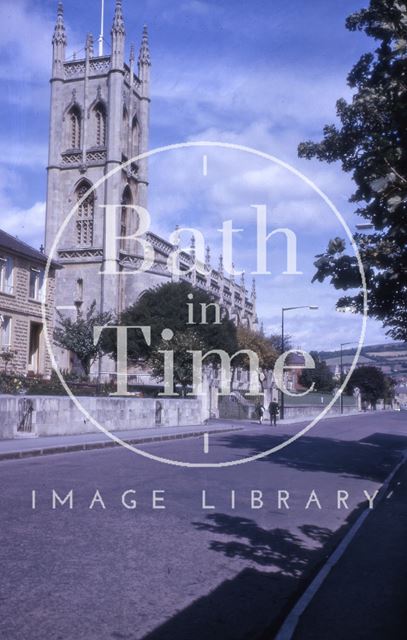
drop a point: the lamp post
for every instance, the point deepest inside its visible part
(343, 344)
(283, 310)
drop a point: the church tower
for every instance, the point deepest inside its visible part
(99, 119)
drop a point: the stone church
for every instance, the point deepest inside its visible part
(100, 120)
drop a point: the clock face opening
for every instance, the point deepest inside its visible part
(234, 231)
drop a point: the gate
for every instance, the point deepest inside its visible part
(25, 415)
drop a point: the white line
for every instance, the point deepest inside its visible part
(206, 442)
(205, 165)
(289, 626)
(67, 307)
(389, 495)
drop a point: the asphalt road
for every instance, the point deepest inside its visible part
(182, 572)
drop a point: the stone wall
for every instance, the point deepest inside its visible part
(231, 407)
(52, 415)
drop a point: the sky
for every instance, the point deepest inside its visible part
(264, 75)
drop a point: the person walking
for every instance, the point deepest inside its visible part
(273, 410)
(260, 411)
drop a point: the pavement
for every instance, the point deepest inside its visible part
(365, 593)
(230, 564)
(24, 447)
(27, 446)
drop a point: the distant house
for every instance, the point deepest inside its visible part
(334, 364)
(22, 290)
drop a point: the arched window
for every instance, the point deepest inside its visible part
(100, 125)
(125, 216)
(85, 216)
(135, 136)
(125, 131)
(75, 128)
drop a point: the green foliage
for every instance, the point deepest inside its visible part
(181, 344)
(165, 307)
(7, 356)
(371, 143)
(77, 335)
(321, 376)
(275, 340)
(372, 383)
(264, 348)
(16, 384)
(11, 384)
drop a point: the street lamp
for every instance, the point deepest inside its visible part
(343, 344)
(312, 308)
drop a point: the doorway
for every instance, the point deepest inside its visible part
(34, 347)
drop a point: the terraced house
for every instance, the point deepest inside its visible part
(22, 290)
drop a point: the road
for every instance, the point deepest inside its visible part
(183, 571)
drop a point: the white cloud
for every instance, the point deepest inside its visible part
(26, 52)
(24, 155)
(27, 34)
(27, 223)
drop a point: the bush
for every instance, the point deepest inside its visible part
(12, 383)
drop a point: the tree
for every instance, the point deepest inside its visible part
(371, 382)
(371, 143)
(177, 306)
(275, 339)
(321, 376)
(259, 344)
(182, 345)
(78, 335)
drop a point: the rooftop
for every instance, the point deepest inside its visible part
(16, 246)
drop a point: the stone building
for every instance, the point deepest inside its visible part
(22, 289)
(100, 120)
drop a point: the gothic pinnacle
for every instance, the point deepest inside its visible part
(89, 45)
(253, 294)
(208, 257)
(59, 31)
(144, 55)
(118, 20)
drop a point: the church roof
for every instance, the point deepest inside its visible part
(10, 243)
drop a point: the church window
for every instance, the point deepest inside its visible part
(100, 117)
(75, 128)
(125, 216)
(85, 216)
(125, 131)
(135, 135)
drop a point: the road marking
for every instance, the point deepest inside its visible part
(206, 442)
(289, 626)
(205, 165)
(389, 495)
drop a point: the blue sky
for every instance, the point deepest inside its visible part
(261, 74)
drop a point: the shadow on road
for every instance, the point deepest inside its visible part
(280, 562)
(277, 549)
(241, 608)
(341, 457)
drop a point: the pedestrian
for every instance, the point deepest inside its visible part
(260, 411)
(273, 410)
